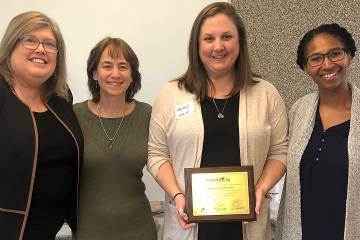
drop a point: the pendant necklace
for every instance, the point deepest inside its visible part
(220, 114)
(110, 139)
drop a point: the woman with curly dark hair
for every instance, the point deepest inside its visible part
(320, 200)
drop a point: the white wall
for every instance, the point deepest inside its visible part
(158, 31)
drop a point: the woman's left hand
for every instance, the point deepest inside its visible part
(259, 198)
(272, 173)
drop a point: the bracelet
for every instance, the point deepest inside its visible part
(179, 193)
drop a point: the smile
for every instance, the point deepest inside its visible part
(219, 56)
(115, 83)
(329, 75)
(38, 60)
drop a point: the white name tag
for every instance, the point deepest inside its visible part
(185, 109)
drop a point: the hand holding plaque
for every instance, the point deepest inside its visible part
(179, 200)
(220, 194)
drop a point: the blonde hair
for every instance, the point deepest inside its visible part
(22, 24)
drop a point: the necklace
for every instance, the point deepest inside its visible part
(110, 139)
(220, 114)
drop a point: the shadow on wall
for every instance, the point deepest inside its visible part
(275, 28)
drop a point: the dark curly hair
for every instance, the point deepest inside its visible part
(333, 29)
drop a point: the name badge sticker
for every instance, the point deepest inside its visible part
(185, 109)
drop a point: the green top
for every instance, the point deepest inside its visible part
(113, 204)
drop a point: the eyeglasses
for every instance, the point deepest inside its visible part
(334, 55)
(33, 43)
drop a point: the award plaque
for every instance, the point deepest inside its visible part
(220, 194)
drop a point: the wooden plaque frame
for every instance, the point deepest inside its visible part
(189, 172)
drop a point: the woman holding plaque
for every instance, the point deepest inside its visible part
(321, 194)
(217, 114)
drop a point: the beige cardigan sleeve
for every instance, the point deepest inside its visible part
(263, 126)
(158, 150)
(279, 128)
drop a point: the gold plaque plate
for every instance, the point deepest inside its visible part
(220, 194)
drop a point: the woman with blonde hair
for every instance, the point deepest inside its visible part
(40, 141)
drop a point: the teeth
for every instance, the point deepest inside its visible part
(329, 75)
(115, 83)
(218, 57)
(38, 60)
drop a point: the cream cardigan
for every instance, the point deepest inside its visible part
(302, 118)
(176, 135)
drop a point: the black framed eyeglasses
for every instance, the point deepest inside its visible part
(334, 55)
(32, 43)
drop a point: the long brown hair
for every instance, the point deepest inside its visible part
(196, 79)
(22, 24)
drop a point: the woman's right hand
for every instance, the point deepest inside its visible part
(180, 212)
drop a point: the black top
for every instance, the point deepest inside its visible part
(18, 148)
(54, 179)
(220, 148)
(323, 178)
